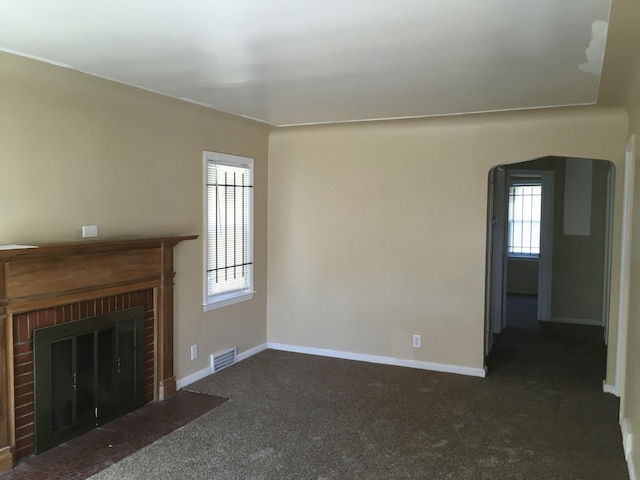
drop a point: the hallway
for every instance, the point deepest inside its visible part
(553, 354)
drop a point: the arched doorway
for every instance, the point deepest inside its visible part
(561, 269)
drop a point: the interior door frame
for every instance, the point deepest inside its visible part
(608, 241)
(625, 264)
(488, 335)
(496, 265)
(545, 262)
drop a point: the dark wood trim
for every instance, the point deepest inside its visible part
(38, 302)
(10, 384)
(6, 399)
(94, 246)
(59, 274)
(164, 326)
(6, 381)
(6, 459)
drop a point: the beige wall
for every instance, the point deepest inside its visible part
(579, 260)
(377, 230)
(77, 150)
(620, 85)
(631, 386)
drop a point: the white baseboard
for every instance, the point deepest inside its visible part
(200, 374)
(577, 321)
(437, 367)
(251, 352)
(627, 441)
(606, 388)
(194, 377)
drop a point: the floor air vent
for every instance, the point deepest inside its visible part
(223, 359)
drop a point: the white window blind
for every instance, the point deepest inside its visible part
(229, 243)
(525, 213)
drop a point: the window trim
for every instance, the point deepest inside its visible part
(212, 302)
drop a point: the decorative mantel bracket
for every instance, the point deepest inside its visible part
(54, 275)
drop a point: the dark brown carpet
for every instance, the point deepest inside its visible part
(540, 414)
(86, 455)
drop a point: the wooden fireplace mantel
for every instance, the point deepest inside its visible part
(59, 274)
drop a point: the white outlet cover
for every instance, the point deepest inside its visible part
(89, 231)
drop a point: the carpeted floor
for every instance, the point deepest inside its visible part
(522, 311)
(293, 416)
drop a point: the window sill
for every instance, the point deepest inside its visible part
(226, 300)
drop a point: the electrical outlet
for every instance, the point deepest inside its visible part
(89, 231)
(417, 341)
(194, 352)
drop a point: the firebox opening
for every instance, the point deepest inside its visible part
(87, 373)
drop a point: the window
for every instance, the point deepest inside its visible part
(229, 229)
(525, 212)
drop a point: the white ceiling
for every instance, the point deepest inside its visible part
(289, 62)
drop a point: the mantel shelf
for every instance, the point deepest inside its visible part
(93, 246)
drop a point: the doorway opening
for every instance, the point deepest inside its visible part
(548, 249)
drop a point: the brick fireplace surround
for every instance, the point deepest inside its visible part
(62, 283)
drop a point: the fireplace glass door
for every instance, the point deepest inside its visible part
(87, 373)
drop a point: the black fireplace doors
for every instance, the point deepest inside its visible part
(87, 373)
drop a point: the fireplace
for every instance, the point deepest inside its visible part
(73, 286)
(86, 373)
